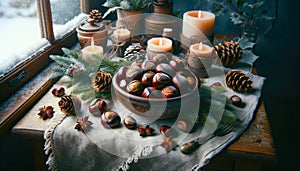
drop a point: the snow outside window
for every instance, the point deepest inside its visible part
(20, 32)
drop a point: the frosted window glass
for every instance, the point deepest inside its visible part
(19, 32)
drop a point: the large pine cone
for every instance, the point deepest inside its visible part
(102, 81)
(134, 53)
(96, 15)
(229, 52)
(69, 104)
(238, 81)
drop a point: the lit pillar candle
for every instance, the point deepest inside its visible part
(121, 34)
(200, 59)
(201, 50)
(195, 21)
(90, 52)
(159, 44)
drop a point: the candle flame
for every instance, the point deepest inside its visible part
(160, 42)
(92, 42)
(199, 14)
(200, 46)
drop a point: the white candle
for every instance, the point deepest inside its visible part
(201, 50)
(121, 34)
(90, 53)
(159, 44)
(196, 21)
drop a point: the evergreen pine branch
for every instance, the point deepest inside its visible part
(87, 95)
(82, 89)
(61, 60)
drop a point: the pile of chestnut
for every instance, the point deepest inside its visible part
(160, 77)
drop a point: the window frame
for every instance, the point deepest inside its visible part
(17, 77)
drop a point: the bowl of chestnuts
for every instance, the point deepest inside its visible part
(160, 87)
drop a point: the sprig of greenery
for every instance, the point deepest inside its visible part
(243, 12)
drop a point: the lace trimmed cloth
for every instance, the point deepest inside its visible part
(123, 149)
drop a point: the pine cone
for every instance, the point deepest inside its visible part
(102, 81)
(69, 104)
(229, 52)
(238, 81)
(134, 53)
(96, 15)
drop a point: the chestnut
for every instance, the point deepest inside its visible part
(135, 87)
(110, 119)
(167, 131)
(180, 82)
(148, 65)
(236, 100)
(216, 84)
(160, 80)
(123, 84)
(191, 81)
(151, 92)
(97, 107)
(130, 122)
(58, 92)
(160, 58)
(169, 91)
(133, 72)
(147, 78)
(176, 64)
(122, 72)
(165, 68)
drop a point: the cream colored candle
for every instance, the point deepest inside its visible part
(201, 50)
(121, 34)
(90, 52)
(196, 21)
(159, 44)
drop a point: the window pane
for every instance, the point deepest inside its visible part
(19, 32)
(66, 15)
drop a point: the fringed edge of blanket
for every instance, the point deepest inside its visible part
(48, 146)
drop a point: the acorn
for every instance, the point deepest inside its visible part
(160, 80)
(58, 92)
(110, 119)
(97, 107)
(135, 87)
(180, 82)
(165, 68)
(122, 72)
(151, 92)
(130, 122)
(147, 78)
(176, 64)
(160, 58)
(148, 65)
(133, 72)
(169, 92)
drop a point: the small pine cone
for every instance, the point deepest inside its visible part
(238, 81)
(69, 104)
(102, 81)
(134, 53)
(229, 52)
(96, 15)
